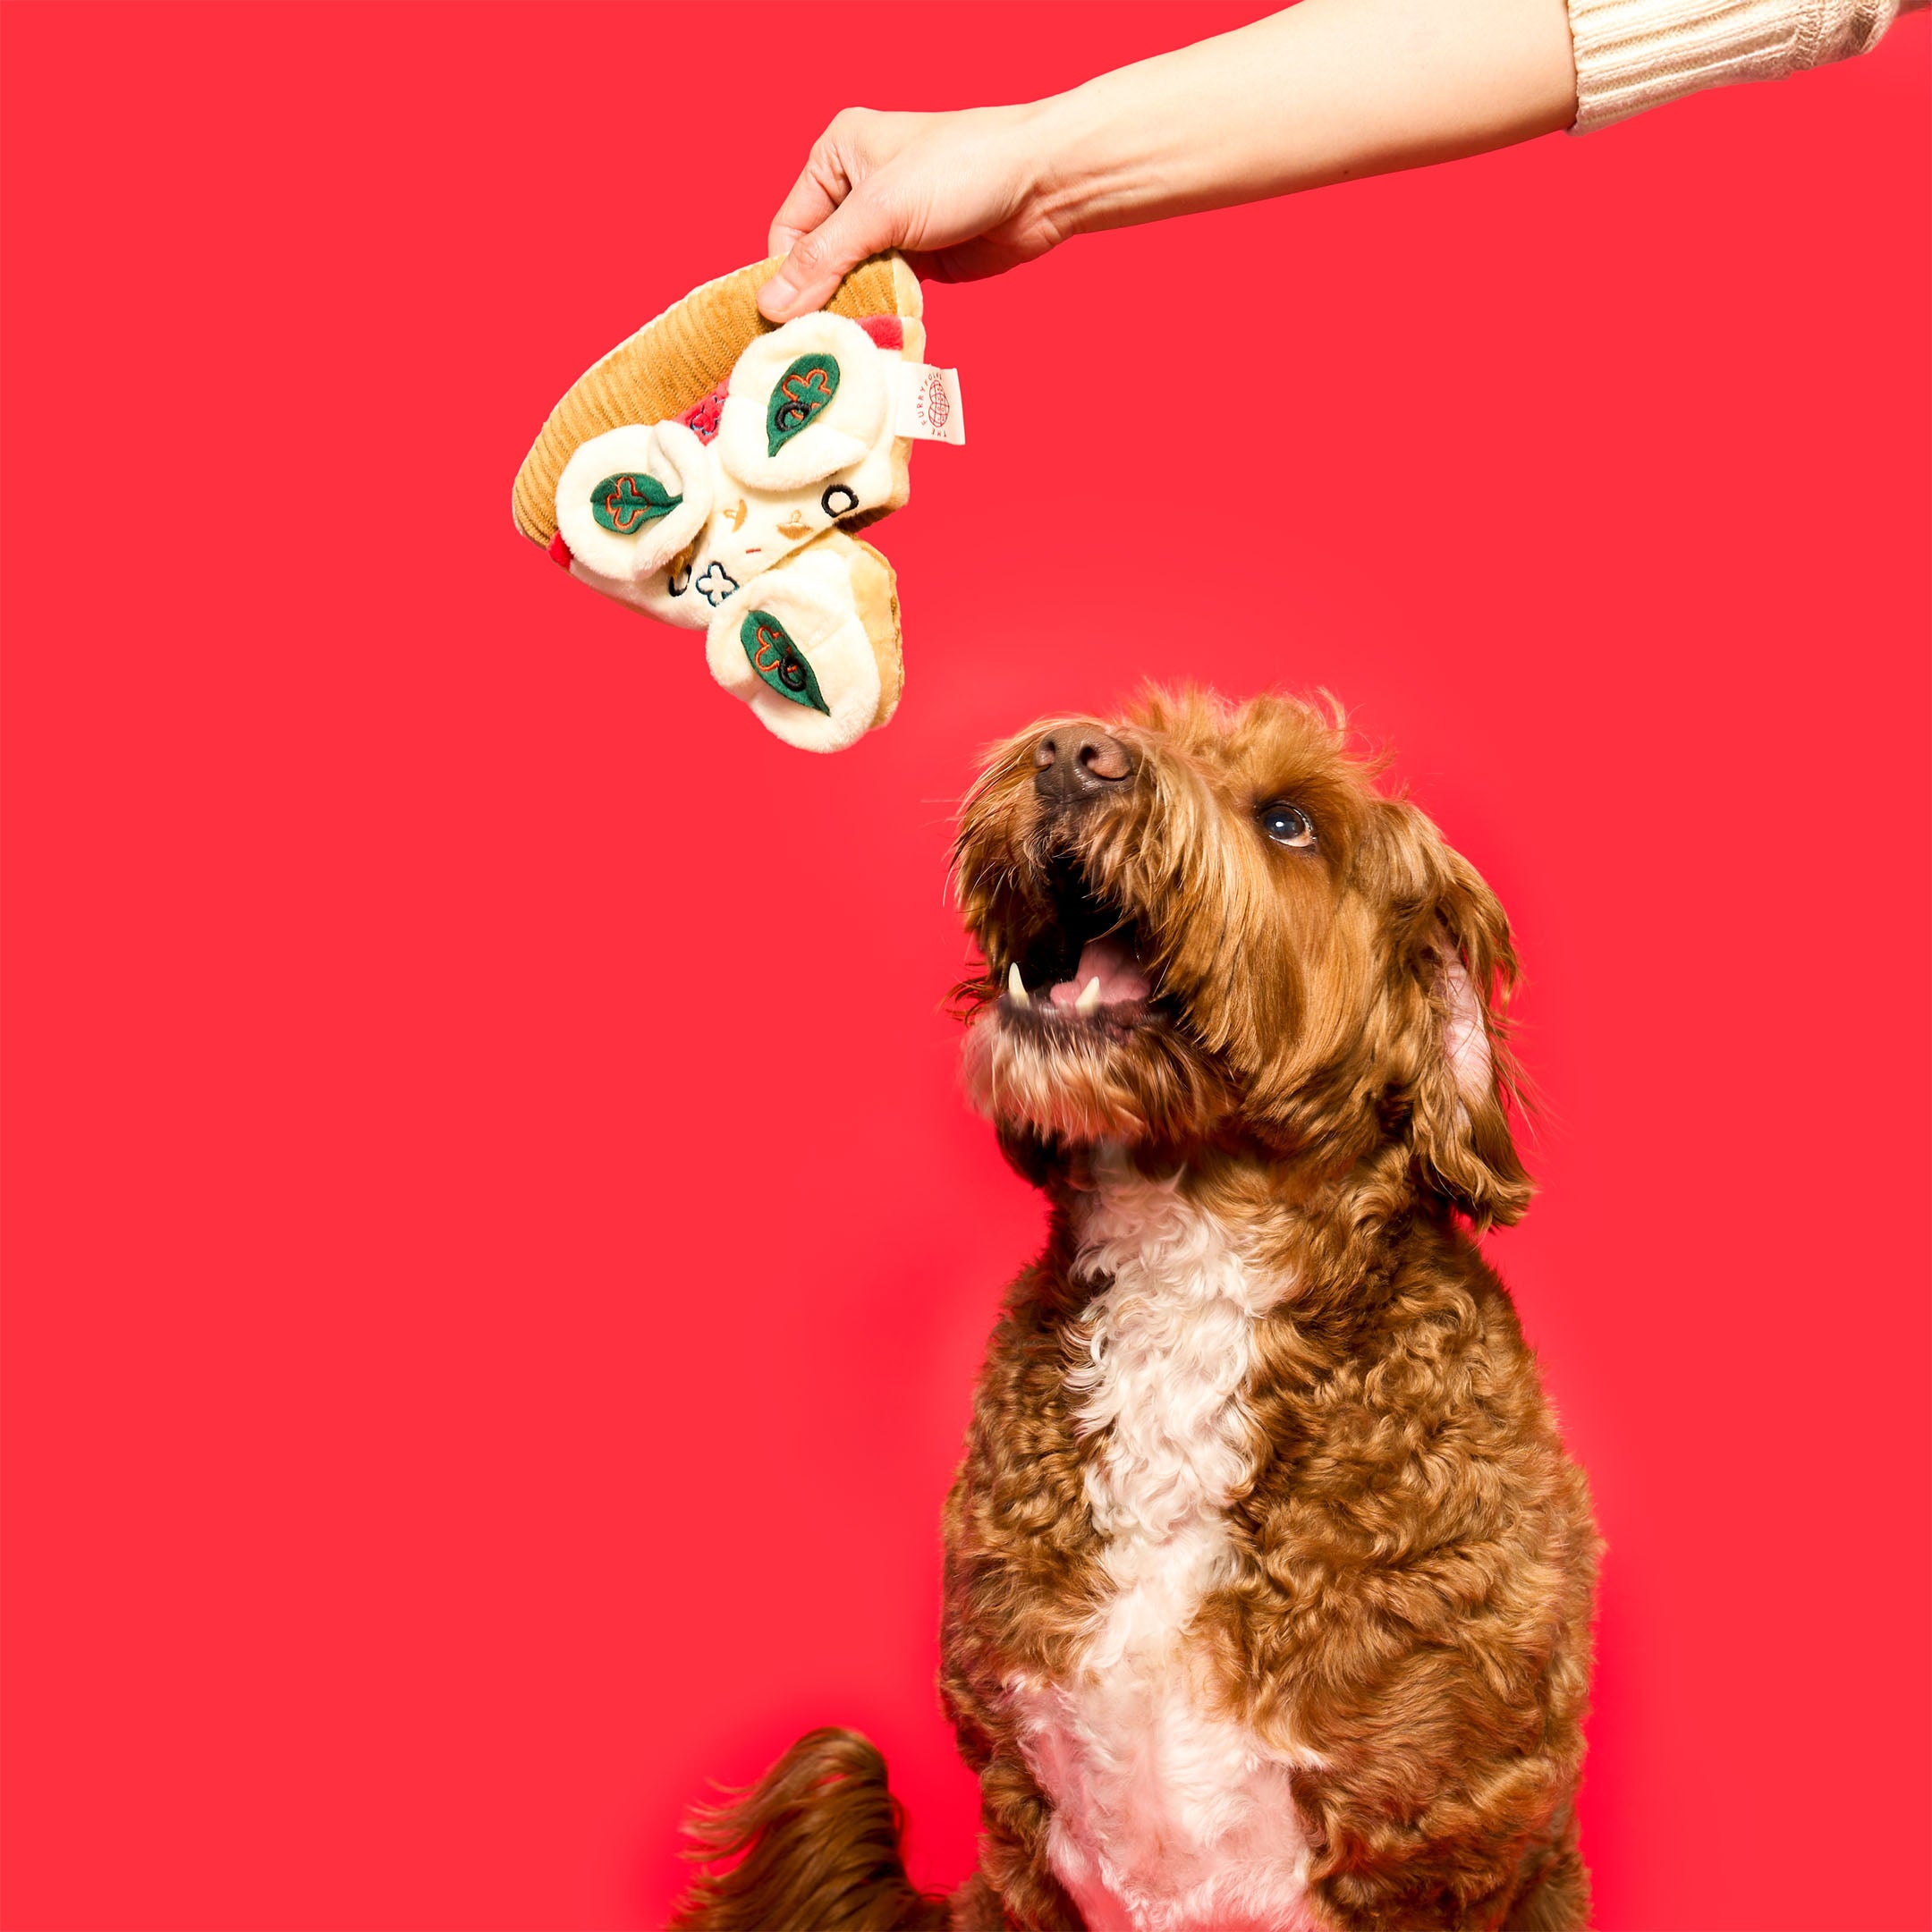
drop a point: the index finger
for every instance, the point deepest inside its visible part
(821, 186)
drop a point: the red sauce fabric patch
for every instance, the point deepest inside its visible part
(887, 330)
(702, 419)
(560, 551)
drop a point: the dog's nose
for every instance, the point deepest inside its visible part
(1076, 763)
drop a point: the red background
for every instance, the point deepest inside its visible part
(496, 1256)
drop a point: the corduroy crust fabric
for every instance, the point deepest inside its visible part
(875, 592)
(1631, 55)
(837, 602)
(678, 358)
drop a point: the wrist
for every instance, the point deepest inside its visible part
(1075, 170)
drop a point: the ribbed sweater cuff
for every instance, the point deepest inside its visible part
(1636, 54)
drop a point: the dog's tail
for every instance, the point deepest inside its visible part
(813, 1846)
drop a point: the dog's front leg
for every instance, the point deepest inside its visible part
(1014, 1889)
(1488, 1857)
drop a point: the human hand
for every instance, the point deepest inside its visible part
(963, 194)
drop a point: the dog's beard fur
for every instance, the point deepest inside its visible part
(1327, 1006)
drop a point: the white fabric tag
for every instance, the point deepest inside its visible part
(926, 404)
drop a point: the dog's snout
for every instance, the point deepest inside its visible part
(1072, 764)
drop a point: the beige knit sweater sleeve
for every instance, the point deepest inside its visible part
(1636, 54)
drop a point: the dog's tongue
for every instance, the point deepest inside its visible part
(1113, 966)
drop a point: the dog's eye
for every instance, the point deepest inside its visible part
(1286, 824)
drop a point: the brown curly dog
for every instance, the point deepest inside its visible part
(1268, 1583)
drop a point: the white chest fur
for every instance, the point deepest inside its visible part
(1167, 1816)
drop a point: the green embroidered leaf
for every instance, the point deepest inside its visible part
(625, 503)
(800, 395)
(779, 661)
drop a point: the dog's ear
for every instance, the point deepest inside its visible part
(1456, 968)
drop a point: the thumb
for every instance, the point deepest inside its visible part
(861, 224)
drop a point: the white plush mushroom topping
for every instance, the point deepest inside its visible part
(629, 500)
(806, 400)
(793, 645)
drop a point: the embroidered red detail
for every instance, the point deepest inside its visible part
(770, 641)
(560, 551)
(702, 419)
(887, 330)
(806, 392)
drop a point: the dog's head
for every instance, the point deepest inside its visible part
(1202, 925)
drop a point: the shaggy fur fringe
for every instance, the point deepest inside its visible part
(813, 1846)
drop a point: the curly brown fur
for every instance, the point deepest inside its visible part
(1268, 1583)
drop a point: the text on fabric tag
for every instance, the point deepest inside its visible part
(926, 404)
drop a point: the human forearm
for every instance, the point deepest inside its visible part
(1326, 91)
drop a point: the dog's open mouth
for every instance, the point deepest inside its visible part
(1085, 963)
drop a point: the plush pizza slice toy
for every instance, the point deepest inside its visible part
(710, 472)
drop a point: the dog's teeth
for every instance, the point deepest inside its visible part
(1016, 985)
(1088, 1001)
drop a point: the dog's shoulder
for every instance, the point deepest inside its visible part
(1412, 1418)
